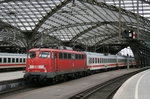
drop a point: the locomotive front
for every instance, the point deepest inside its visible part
(38, 65)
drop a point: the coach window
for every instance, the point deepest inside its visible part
(17, 60)
(0, 60)
(89, 60)
(9, 60)
(13, 60)
(93, 60)
(24, 60)
(20, 60)
(5, 60)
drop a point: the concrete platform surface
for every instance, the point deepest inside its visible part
(69, 88)
(11, 75)
(137, 87)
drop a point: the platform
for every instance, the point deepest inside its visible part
(69, 88)
(11, 75)
(137, 87)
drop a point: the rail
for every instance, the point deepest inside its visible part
(105, 90)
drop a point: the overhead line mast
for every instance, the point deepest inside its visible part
(119, 19)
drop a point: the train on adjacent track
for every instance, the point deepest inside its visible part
(61, 64)
(12, 61)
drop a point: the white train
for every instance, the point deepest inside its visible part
(96, 61)
(11, 60)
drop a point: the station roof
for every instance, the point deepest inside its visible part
(78, 22)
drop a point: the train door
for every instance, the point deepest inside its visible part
(73, 60)
(54, 61)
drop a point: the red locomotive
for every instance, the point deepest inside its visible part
(60, 64)
(51, 63)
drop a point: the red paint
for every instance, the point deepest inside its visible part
(55, 64)
(11, 64)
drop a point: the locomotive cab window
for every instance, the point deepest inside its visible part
(44, 55)
(32, 55)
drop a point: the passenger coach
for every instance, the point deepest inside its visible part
(11, 60)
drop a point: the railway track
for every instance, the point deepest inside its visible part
(15, 86)
(11, 85)
(105, 90)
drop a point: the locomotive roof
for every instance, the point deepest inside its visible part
(47, 49)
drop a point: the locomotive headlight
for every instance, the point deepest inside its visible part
(41, 66)
(31, 66)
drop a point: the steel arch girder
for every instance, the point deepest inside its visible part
(95, 25)
(114, 8)
(41, 22)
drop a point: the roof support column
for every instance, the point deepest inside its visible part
(137, 19)
(119, 19)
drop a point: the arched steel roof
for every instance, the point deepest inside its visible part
(85, 22)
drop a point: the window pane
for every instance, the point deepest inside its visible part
(5, 60)
(65, 55)
(24, 60)
(32, 55)
(55, 55)
(73, 56)
(44, 55)
(52, 55)
(60, 56)
(9, 60)
(69, 56)
(0, 60)
(13, 60)
(17, 60)
(20, 60)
